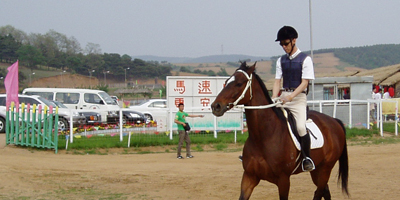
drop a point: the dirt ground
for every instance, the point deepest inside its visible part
(33, 174)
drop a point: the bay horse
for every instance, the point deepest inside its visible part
(269, 152)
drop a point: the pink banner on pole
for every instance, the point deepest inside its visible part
(11, 84)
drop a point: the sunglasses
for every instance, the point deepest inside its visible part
(284, 43)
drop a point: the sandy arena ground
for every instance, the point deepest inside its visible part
(32, 174)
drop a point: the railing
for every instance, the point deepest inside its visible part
(34, 127)
(358, 113)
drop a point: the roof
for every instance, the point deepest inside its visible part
(133, 91)
(338, 74)
(382, 74)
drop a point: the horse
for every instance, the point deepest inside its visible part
(269, 152)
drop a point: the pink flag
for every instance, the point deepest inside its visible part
(11, 84)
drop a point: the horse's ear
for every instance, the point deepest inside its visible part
(252, 67)
(243, 64)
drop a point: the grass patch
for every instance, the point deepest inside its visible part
(221, 146)
(143, 140)
(143, 143)
(198, 147)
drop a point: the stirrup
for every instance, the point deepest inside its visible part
(302, 164)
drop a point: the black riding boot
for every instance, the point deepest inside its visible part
(307, 163)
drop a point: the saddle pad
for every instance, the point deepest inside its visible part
(317, 140)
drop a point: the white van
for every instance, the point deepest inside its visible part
(81, 99)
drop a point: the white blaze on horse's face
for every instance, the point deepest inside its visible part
(230, 80)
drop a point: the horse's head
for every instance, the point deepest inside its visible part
(236, 90)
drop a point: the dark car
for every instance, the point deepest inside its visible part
(130, 116)
(92, 117)
(135, 117)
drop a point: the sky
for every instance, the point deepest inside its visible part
(195, 28)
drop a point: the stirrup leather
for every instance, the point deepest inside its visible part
(302, 164)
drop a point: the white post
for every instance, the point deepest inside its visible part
(71, 128)
(170, 123)
(334, 108)
(380, 116)
(241, 120)
(215, 126)
(320, 106)
(66, 143)
(129, 139)
(368, 114)
(350, 117)
(235, 135)
(378, 124)
(395, 118)
(120, 125)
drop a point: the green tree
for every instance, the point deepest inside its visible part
(211, 73)
(222, 72)
(8, 48)
(184, 69)
(30, 56)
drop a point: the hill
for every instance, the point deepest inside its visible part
(326, 62)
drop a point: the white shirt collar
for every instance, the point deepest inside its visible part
(295, 54)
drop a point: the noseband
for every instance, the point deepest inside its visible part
(248, 85)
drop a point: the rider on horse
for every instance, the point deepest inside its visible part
(296, 69)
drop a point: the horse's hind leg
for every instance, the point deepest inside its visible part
(247, 186)
(320, 179)
(326, 194)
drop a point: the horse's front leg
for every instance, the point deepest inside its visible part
(283, 187)
(247, 186)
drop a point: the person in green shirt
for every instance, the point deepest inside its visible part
(180, 120)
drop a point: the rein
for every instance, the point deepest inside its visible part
(258, 107)
(248, 85)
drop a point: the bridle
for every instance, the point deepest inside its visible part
(248, 85)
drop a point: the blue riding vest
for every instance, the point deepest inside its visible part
(292, 70)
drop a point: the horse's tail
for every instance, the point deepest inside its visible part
(344, 164)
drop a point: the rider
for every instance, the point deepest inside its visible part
(296, 69)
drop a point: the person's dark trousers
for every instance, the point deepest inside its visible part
(184, 136)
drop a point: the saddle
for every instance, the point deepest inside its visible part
(316, 138)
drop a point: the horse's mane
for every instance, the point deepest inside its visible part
(278, 111)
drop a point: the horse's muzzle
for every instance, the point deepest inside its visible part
(218, 109)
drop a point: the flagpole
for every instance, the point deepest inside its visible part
(312, 53)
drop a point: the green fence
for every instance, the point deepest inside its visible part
(32, 126)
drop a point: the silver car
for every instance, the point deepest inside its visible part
(63, 113)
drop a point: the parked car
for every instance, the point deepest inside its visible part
(152, 108)
(81, 99)
(2, 122)
(130, 116)
(90, 117)
(63, 113)
(115, 98)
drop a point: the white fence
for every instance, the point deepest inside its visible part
(353, 113)
(232, 121)
(357, 113)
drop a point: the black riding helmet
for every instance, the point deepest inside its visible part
(286, 32)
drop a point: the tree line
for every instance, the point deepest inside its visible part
(56, 50)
